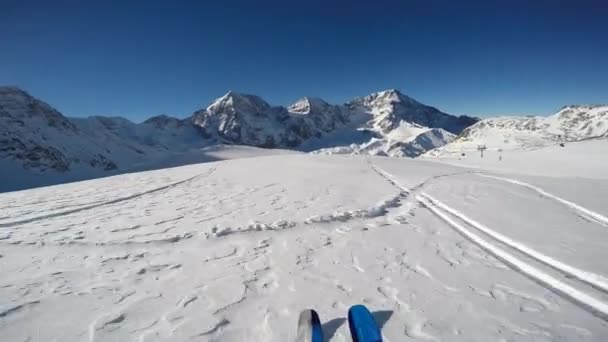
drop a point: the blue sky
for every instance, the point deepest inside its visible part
(141, 58)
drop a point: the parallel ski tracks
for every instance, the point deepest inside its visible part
(578, 209)
(492, 242)
(104, 203)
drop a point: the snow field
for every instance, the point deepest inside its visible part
(233, 250)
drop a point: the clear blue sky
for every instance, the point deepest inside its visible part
(142, 58)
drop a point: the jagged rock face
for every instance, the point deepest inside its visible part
(326, 117)
(25, 123)
(249, 120)
(244, 119)
(17, 107)
(39, 138)
(390, 107)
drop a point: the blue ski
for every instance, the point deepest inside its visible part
(363, 327)
(309, 327)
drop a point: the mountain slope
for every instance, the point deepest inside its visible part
(374, 124)
(571, 123)
(52, 148)
(390, 107)
(39, 137)
(392, 124)
(249, 120)
(40, 146)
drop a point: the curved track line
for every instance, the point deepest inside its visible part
(595, 280)
(586, 213)
(97, 205)
(592, 304)
(595, 306)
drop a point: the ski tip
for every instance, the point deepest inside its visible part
(309, 315)
(359, 308)
(309, 327)
(363, 326)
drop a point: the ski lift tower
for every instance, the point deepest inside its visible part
(481, 148)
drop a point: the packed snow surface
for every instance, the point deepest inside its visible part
(233, 250)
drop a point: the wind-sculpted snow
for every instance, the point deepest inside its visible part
(234, 250)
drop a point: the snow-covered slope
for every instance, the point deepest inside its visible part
(572, 123)
(233, 250)
(585, 158)
(407, 140)
(159, 133)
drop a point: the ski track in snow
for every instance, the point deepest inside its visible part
(443, 211)
(211, 269)
(584, 212)
(598, 281)
(99, 204)
(594, 305)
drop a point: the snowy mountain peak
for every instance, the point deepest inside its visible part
(14, 96)
(237, 102)
(17, 105)
(391, 107)
(386, 99)
(307, 105)
(394, 95)
(5, 90)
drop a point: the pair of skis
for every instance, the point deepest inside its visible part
(363, 327)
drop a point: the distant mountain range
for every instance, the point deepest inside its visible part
(38, 138)
(571, 123)
(39, 143)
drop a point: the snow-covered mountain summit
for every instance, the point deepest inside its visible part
(237, 102)
(18, 107)
(391, 123)
(36, 137)
(571, 123)
(390, 107)
(249, 120)
(311, 123)
(308, 105)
